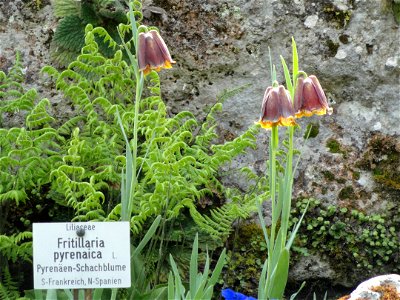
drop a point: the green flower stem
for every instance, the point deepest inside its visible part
(288, 183)
(289, 154)
(126, 215)
(139, 89)
(273, 148)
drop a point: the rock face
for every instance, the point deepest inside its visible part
(29, 31)
(351, 46)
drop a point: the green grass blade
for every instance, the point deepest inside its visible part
(276, 253)
(208, 292)
(179, 289)
(295, 59)
(280, 276)
(114, 294)
(51, 294)
(202, 281)
(218, 268)
(133, 23)
(38, 294)
(171, 290)
(289, 84)
(271, 67)
(293, 296)
(193, 267)
(296, 228)
(263, 226)
(262, 281)
(97, 294)
(149, 234)
(126, 195)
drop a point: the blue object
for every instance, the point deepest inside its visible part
(229, 294)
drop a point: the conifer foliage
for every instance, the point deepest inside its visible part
(74, 16)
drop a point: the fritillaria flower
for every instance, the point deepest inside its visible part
(153, 53)
(277, 108)
(309, 98)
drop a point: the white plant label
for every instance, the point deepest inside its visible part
(81, 255)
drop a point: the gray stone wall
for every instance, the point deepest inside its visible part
(351, 46)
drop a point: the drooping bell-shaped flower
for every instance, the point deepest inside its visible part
(277, 108)
(309, 98)
(153, 53)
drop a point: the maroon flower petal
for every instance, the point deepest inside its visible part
(298, 95)
(286, 106)
(161, 45)
(277, 108)
(153, 54)
(319, 91)
(142, 51)
(309, 98)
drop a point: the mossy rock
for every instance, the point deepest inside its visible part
(355, 243)
(340, 18)
(382, 158)
(245, 259)
(312, 131)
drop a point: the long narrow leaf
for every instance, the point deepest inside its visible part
(179, 289)
(38, 294)
(97, 294)
(171, 290)
(133, 24)
(208, 292)
(218, 268)
(263, 226)
(279, 279)
(289, 84)
(279, 245)
(149, 234)
(114, 294)
(262, 283)
(51, 294)
(296, 228)
(193, 266)
(272, 67)
(131, 57)
(70, 295)
(126, 195)
(295, 61)
(293, 296)
(203, 281)
(280, 202)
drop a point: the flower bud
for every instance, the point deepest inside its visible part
(277, 108)
(153, 53)
(309, 98)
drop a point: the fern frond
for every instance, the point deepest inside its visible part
(67, 128)
(16, 196)
(8, 287)
(15, 102)
(107, 38)
(39, 117)
(16, 247)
